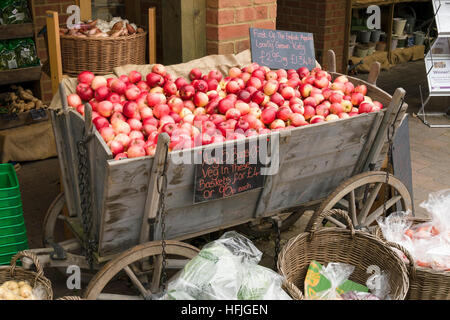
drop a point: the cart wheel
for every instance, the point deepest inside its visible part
(266, 227)
(51, 217)
(363, 196)
(142, 265)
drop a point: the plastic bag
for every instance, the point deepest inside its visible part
(355, 295)
(378, 284)
(337, 274)
(259, 283)
(438, 205)
(226, 269)
(14, 12)
(26, 55)
(394, 229)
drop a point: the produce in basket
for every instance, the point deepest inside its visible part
(209, 109)
(428, 243)
(99, 28)
(20, 290)
(331, 283)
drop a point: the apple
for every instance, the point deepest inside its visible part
(107, 133)
(357, 98)
(268, 115)
(154, 99)
(347, 105)
(100, 122)
(74, 100)
(86, 77)
(271, 87)
(309, 112)
(105, 108)
(136, 151)
(361, 89)
(154, 80)
(159, 69)
(132, 92)
(84, 91)
(365, 107)
(332, 117)
(195, 74)
(170, 88)
(201, 99)
(187, 92)
(215, 74)
(161, 110)
(98, 81)
(317, 119)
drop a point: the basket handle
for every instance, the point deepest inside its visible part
(412, 267)
(292, 289)
(327, 213)
(33, 257)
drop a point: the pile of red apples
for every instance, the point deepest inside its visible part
(131, 111)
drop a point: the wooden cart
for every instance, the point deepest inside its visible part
(125, 221)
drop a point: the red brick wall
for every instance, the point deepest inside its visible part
(324, 18)
(228, 23)
(40, 7)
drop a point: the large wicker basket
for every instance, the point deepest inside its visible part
(101, 55)
(15, 273)
(424, 283)
(357, 248)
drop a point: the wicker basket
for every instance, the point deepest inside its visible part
(70, 298)
(101, 55)
(326, 245)
(15, 273)
(424, 283)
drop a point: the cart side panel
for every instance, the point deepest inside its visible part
(67, 165)
(125, 195)
(102, 154)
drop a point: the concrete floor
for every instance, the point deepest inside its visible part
(430, 154)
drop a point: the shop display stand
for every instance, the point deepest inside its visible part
(438, 86)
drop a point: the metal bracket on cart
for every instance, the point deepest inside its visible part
(277, 222)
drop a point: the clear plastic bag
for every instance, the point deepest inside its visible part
(378, 284)
(395, 229)
(337, 274)
(226, 269)
(438, 205)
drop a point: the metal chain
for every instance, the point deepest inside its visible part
(276, 223)
(162, 187)
(84, 184)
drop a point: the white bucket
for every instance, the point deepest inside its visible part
(399, 26)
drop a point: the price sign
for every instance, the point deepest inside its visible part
(278, 49)
(225, 173)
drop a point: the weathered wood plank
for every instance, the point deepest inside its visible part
(193, 29)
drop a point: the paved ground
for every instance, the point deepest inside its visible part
(430, 154)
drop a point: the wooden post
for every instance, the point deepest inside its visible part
(85, 9)
(152, 35)
(389, 31)
(331, 61)
(348, 28)
(152, 201)
(193, 29)
(374, 72)
(54, 49)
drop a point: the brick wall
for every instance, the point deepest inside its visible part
(324, 18)
(40, 7)
(228, 23)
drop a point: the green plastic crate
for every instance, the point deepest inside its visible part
(11, 221)
(5, 259)
(14, 238)
(11, 211)
(10, 230)
(10, 202)
(14, 247)
(9, 184)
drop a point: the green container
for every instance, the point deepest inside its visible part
(11, 221)
(14, 247)
(11, 211)
(14, 238)
(10, 202)
(15, 229)
(9, 184)
(5, 259)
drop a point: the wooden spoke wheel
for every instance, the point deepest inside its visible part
(366, 196)
(265, 227)
(54, 213)
(142, 265)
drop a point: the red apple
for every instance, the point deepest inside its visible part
(86, 77)
(135, 76)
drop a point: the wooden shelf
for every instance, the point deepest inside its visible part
(20, 75)
(16, 31)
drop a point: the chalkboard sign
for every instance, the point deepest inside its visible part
(278, 49)
(218, 177)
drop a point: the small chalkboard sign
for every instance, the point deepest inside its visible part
(227, 172)
(278, 49)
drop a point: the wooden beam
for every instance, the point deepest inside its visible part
(152, 35)
(171, 29)
(85, 9)
(193, 29)
(54, 49)
(348, 27)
